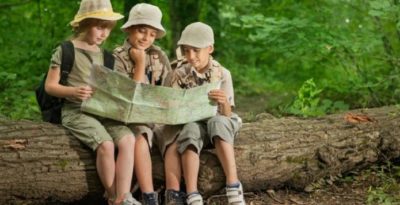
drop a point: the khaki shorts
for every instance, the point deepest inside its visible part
(198, 134)
(92, 130)
(143, 129)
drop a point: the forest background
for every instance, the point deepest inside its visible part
(287, 57)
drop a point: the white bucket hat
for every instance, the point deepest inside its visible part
(98, 9)
(145, 14)
(198, 34)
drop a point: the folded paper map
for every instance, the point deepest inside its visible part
(120, 98)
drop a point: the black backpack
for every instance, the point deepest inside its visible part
(50, 106)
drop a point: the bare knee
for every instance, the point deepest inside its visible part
(173, 146)
(126, 142)
(142, 143)
(105, 148)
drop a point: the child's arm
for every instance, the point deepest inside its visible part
(139, 57)
(224, 106)
(53, 87)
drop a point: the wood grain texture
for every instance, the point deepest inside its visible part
(41, 162)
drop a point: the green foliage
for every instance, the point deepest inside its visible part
(13, 93)
(272, 48)
(338, 43)
(378, 196)
(308, 102)
(29, 33)
(387, 193)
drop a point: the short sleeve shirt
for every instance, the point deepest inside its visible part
(157, 64)
(186, 76)
(80, 72)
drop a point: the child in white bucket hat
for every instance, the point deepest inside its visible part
(92, 25)
(143, 62)
(181, 146)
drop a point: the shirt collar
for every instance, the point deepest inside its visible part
(208, 68)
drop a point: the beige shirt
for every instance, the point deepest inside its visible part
(185, 76)
(157, 64)
(80, 71)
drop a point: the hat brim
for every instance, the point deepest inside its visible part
(194, 44)
(156, 25)
(103, 16)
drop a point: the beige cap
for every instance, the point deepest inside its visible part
(145, 14)
(198, 34)
(98, 9)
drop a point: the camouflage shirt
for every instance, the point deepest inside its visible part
(185, 76)
(157, 64)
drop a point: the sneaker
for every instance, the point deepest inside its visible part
(235, 195)
(110, 200)
(173, 197)
(129, 200)
(194, 199)
(150, 198)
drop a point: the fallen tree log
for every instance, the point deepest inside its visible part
(41, 162)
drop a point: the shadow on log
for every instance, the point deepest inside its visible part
(42, 163)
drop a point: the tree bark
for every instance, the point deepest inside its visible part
(41, 162)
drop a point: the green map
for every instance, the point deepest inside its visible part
(120, 98)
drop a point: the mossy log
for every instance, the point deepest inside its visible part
(42, 163)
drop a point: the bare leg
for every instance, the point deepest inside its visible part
(190, 164)
(226, 156)
(143, 168)
(124, 166)
(173, 169)
(105, 165)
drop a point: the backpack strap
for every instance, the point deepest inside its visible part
(108, 60)
(67, 60)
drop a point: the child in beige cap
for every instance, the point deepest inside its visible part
(181, 147)
(145, 63)
(92, 25)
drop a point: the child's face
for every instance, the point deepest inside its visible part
(198, 57)
(97, 35)
(141, 37)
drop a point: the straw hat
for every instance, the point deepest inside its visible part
(198, 34)
(145, 14)
(98, 9)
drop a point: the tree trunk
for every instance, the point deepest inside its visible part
(179, 19)
(41, 162)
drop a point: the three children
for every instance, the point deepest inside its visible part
(140, 60)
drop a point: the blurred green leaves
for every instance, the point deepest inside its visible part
(273, 48)
(343, 45)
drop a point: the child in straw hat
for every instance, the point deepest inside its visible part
(92, 25)
(146, 63)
